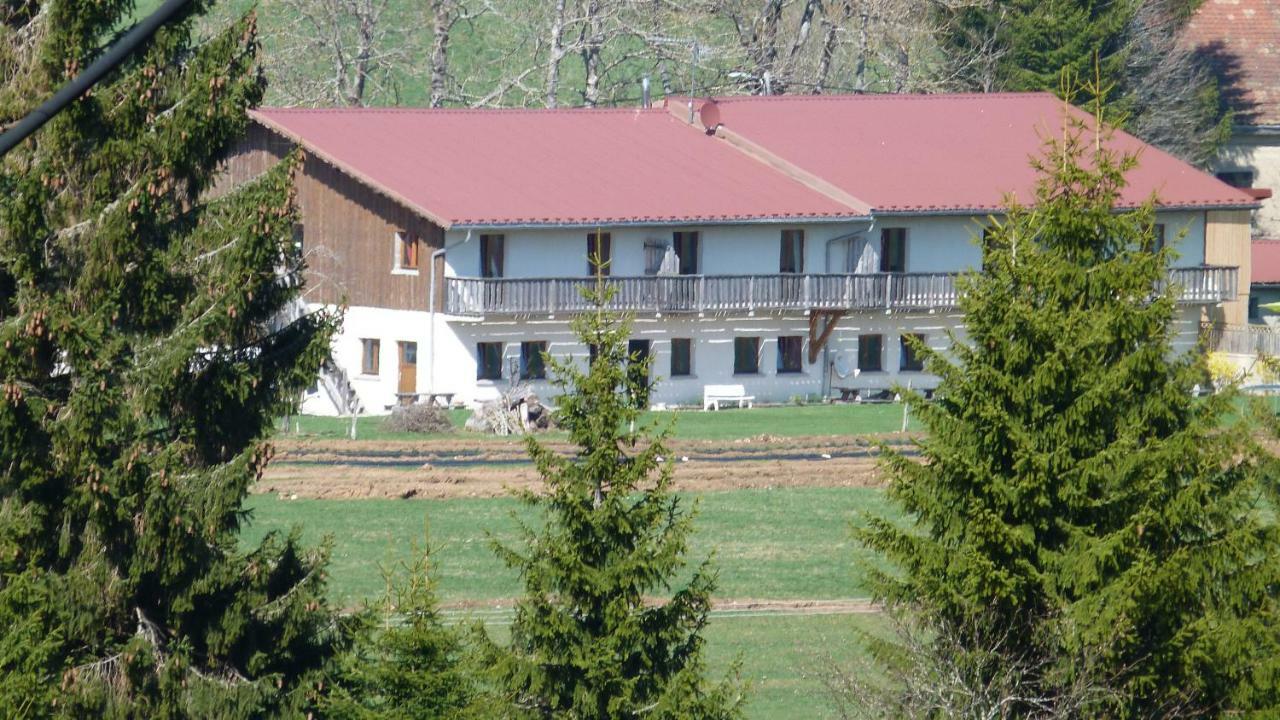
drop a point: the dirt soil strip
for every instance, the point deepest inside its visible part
(339, 469)
(499, 612)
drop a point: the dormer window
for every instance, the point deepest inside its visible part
(406, 252)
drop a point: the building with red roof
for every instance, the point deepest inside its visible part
(773, 247)
(1241, 40)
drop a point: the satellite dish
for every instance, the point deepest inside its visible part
(842, 367)
(709, 114)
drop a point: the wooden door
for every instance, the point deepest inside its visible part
(408, 383)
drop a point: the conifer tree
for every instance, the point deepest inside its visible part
(144, 358)
(1157, 87)
(588, 641)
(405, 664)
(1074, 498)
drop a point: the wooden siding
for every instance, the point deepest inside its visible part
(348, 230)
(1226, 242)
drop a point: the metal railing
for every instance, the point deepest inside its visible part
(748, 293)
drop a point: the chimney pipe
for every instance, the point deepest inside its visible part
(645, 101)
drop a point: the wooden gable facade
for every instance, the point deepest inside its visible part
(353, 257)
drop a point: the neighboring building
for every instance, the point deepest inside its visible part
(1264, 282)
(1241, 38)
(803, 237)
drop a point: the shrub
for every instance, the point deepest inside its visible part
(419, 419)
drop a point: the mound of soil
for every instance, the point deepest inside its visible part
(449, 468)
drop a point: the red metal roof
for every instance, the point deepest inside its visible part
(1264, 266)
(552, 167)
(782, 159)
(1241, 38)
(940, 153)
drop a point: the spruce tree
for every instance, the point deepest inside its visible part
(405, 664)
(144, 357)
(1073, 497)
(590, 641)
(1155, 86)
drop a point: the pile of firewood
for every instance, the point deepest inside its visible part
(516, 412)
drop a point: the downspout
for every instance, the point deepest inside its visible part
(826, 348)
(431, 304)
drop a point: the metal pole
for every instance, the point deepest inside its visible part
(90, 77)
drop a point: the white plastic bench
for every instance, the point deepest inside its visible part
(713, 395)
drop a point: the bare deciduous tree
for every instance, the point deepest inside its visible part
(816, 46)
(445, 14)
(974, 671)
(361, 52)
(1173, 102)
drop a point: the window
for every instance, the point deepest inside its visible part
(791, 257)
(638, 350)
(531, 362)
(870, 351)
(371, 350)
(406, 251)
(1157, 242)
(988, 242)
(1255, 314)
(681, 357)
(686, 247)
(909, 359)
(489, 361)
(599, 253)
(1237, 178)
(746, 355)
(893, 250)
(492, 255)
(789, 354)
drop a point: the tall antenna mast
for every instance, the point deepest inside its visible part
(693, 76)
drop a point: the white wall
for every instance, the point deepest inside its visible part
(713, 352)
(1259, 154)
(934, 244)
(378, 392)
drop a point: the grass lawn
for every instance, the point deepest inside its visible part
(774, 544)
(788, 543)
(782, 421)
(782, 659)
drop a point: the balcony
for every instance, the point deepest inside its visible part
(749, 293)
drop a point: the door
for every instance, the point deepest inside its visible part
(408, 384)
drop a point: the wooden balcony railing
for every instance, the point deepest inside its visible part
(748, 293)
(1242, 339)
(1205, 285)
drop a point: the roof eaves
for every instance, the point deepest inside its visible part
(952, 210)
(670, 221)
(369, 182)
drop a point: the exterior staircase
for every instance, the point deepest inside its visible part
(338, 388)
(332, 380)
